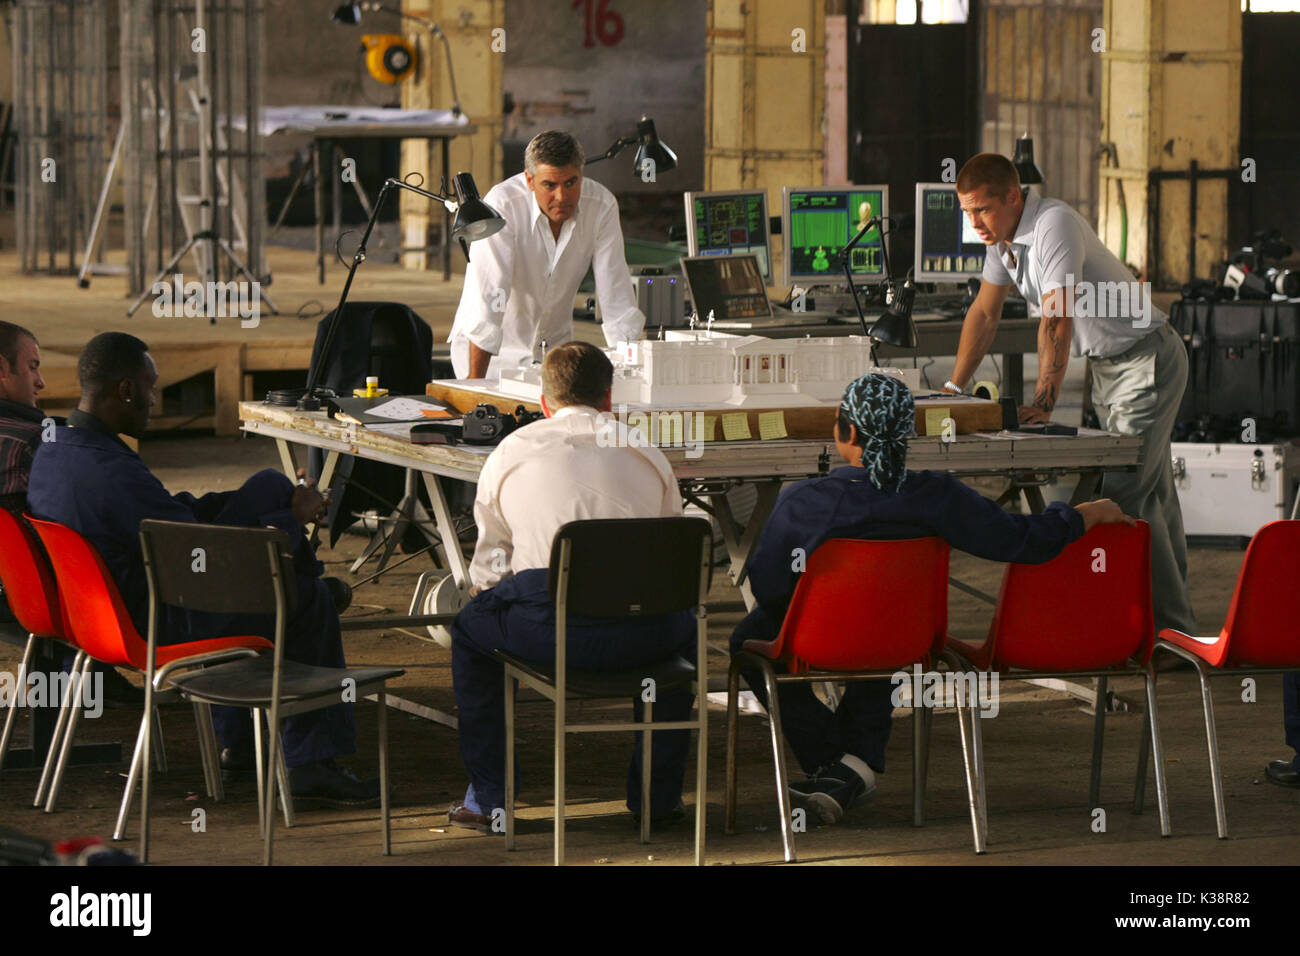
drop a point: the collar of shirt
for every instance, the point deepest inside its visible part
(27, 413)
(1013, 250)
(555, 244)
(568, 410)
(88, 422)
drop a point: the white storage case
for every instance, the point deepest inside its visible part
(1234, 490)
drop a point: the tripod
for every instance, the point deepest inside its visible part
(207, 235)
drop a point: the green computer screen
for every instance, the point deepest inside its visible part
(822, 221)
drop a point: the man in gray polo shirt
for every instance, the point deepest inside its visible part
(1090, 300)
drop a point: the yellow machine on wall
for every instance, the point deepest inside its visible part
(389, 58)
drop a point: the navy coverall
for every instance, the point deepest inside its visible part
(844, 504)
(89, 480)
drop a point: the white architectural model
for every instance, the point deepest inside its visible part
(714, 368)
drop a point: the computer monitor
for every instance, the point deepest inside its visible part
(729, 224)
(731, 287)
(948, 249)
(818, 222)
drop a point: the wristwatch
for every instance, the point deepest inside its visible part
(955, 387)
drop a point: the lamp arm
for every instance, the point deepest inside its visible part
(848, 274)
(446, 45)
(619, 145)
(310, 401)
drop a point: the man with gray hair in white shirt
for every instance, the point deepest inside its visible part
(521, 282)
(1092, 306)
(576, 464)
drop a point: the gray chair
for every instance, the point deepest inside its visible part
(221, 569)
(664, 565)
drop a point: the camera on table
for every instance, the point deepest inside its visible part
(487, 425)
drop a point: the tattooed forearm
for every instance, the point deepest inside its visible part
(1054, 335)
(1057, 351)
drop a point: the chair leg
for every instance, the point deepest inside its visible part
(646, 736)
(778, 757)
(918, 801)
(65, 751)
(132, 779)
(213, 752)
(977, 752)
(1157, 752)
(733, 731)
(701, 769)
(20, 688)
(272, 779)
(382, 699)
(60, 728)
(208, 786)
(1098, 740)
(560, 741)
(282, 774)
(1144, 752)
(510, 763)
(1212, 744)
(927, 720)
(972, 772)
(259, 765)
(160, 749)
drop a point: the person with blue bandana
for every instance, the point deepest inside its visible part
(874, 496)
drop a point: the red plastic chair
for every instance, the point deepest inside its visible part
(863, 610)
(34, 601)
(1086, 613)
(96, 618)
(1260, 636)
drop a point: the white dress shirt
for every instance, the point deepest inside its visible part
(520, 282)
(560, 469)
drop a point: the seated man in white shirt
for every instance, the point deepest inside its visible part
(564, 468)
(521, 282)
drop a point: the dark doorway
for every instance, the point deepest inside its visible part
(912, 100)
(1270, 128)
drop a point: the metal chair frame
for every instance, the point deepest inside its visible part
(558, 693)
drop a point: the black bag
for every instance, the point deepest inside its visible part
(1243, 362)
(388, 340)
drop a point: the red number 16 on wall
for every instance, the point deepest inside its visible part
(600, 22)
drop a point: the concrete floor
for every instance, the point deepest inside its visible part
(1037, 759)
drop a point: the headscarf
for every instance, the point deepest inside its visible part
(884, 412)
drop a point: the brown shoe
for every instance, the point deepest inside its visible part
(463, 816)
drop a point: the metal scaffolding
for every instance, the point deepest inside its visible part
(61, 120)
(192, 145)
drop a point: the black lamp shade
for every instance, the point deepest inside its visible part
(894, 329)
(348, 14)
(475, 219)
(1024, 162)
(650, 147)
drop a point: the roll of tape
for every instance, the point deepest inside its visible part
(985, 390)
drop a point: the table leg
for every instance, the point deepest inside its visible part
(446, 216)
(336, 194)
(1013, 375)
(447, 531)
(318, 185)
(741, 544)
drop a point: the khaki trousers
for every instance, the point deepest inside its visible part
(1138, 393)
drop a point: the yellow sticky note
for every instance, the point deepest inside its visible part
(706, 425)
(934, 419)
(670, 428)
(735, 426)
(771, 425)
